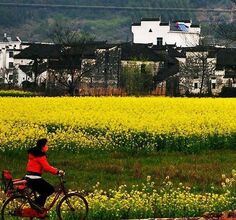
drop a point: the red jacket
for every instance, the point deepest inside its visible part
(39, 164)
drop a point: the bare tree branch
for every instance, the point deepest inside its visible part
(197, 65)
(73, 46)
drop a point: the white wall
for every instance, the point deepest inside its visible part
(13, 46)
(183, 39)
(217, 76)
(142, 35)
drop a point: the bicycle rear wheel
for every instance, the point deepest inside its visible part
(72, 206)
(12, 208)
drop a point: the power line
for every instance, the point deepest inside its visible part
(70, 7)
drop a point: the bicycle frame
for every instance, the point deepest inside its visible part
(26, 208)
(61, 191)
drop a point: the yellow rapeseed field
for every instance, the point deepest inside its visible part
(108, 123)
(93, 121)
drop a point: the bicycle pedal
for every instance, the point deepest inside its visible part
(37, 207)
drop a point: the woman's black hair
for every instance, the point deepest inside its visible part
(37, 151)
(41, 143)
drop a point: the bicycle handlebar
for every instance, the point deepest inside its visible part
(60, 175)
(61, 178)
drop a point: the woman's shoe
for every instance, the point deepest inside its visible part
(37, 207)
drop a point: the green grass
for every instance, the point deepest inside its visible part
(84, 170)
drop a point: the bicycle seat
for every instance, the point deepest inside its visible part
(19, 184)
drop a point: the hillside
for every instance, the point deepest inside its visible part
(112, 25)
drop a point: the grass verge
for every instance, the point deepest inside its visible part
(201, 171)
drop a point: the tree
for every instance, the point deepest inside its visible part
(108, 61)
(83, 60)
(73, 48)
(137, 79)
(9, 76)
(199, 66)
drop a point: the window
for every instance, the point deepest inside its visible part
(213, 85)
(196, 85)
(159, 41)
(10, 77)
(143, 68)
(11, 65)
(11, 54)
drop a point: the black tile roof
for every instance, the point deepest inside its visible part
(52, 51)
(185, 21)
(40, 51)
(194, 25)
(212, 51)
(161, 47)
(150, 19)
(164, 24)
(136, 24)
(173, 52)
(226, 57)
(139, 52)
(167, 52)
(230, 74)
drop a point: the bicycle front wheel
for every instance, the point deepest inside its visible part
(12, 208)
(72, 206)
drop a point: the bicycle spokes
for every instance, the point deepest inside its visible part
(13, 210)
(73, 206)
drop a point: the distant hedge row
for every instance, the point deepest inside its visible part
(15, 93)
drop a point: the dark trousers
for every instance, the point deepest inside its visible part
(42, 187)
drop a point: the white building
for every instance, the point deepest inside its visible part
(206, 69)
(179, 33)
(9, 67)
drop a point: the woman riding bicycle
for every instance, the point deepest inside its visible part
(22, 204)
(37, 164)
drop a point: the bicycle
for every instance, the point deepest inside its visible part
(20, 204)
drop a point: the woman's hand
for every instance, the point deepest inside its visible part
(61, 173)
